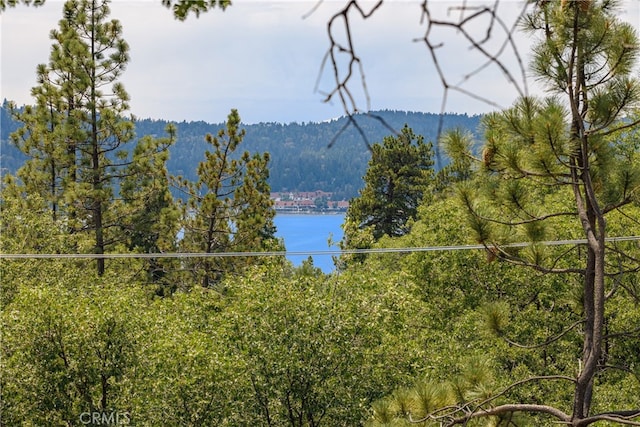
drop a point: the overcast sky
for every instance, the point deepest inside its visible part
(263, 58)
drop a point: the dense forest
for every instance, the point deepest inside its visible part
(499, 289)
(301, 159)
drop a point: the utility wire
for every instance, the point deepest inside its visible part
(303, 253)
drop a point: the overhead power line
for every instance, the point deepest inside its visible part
(304, 253)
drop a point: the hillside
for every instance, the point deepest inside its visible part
(301, 159)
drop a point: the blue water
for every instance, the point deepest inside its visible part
(310, 232)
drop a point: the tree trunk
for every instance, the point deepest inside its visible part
(95, 158)
(594, 226)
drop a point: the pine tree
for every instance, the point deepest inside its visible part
(50, 165)
(228, 208)
(77, 134)
(580, 142)
(148, 214)
(399, 173)
(103, 55)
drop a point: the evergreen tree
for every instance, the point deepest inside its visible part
(228, 208)
(102, 55)
(76, 134)
(399, 173)
(48, 168)
(460, 168)
(150, 216)
(562, 167)
(182, 8)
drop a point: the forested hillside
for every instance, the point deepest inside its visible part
(301, 159)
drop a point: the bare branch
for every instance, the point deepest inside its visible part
(351, 121)
(620, 417)
(447, 415)
(547, 341)
(517, 407)
(341, 89)
(492, 58)
(537, 267)
(343, 75)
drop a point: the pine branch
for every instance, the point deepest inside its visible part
(548, 341)
(620, 417)
(508, 408)
(448, 415)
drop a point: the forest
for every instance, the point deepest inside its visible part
(499, 289)
(301, 158)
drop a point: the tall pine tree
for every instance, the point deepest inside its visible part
(228, 208)
(47, 141)
(77, 135)
(149, 215)
(399, 174)
(580, 143)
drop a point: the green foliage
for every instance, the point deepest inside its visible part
(457, 144)
(318, 350)
(69, 348)
(300, 159)
(182, 8)
(13, 3)
(308, 269)
(74, 135)
(322, 347)
(189, 375)
(551, 169)
(492, 323)
(46, 171)
(426, 337)
(497, 317)
(229, 208)
(399, 175)
(150, 217)
(26, 228)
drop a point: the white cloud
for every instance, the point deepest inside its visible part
(260, 57)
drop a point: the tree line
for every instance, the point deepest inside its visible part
(301, 159)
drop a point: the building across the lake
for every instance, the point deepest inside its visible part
(307, 201)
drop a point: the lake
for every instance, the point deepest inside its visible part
(309, 233)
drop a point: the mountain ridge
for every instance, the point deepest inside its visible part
(305, 156)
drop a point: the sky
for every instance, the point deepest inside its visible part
(265, 59)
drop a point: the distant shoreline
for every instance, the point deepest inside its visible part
(279, 212)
